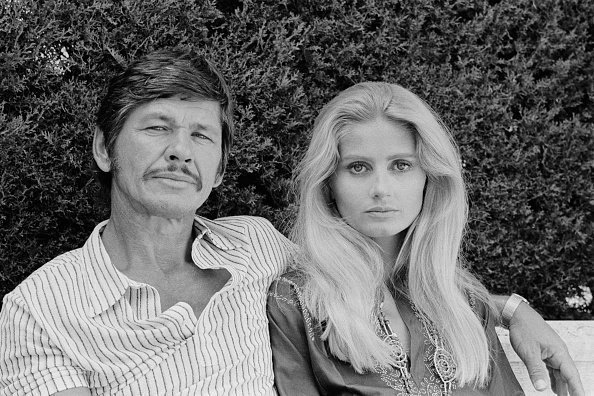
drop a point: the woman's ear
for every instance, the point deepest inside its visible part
(100, 151)
(425, 187)
(330, 194)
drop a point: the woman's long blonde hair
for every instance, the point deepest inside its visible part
(343, 269)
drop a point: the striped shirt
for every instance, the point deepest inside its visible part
(78, 321)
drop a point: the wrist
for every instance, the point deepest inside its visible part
(510, 307)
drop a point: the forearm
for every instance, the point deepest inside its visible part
(536, 343)
(498, 302)
(507, 306)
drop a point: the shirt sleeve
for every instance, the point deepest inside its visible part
(293, 374)
(30, 363)
(279, 247)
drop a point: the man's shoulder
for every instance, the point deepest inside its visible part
(51, 275)
(268, 248)
(253, 222)
(252, 228)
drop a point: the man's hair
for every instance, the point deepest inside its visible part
(162, 74)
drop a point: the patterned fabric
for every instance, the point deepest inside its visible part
(78, 321)
(303, 364)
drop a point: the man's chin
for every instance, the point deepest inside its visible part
(174, 209)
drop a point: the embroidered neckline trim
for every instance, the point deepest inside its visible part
(443, 361)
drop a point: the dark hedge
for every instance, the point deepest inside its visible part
(513, 80)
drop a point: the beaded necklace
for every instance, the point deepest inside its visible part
(443, 361)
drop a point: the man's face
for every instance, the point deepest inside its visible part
(166, 158)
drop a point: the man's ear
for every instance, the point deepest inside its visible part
(218, 180)
(220, 173)
(100, 151)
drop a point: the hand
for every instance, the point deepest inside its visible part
(541, 349)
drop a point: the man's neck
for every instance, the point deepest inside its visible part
(139, 244)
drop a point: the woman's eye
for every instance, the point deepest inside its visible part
(402, 166)
(157, 128)
(358, 167)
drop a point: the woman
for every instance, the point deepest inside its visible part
(379, 302)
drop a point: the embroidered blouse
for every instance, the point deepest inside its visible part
(303, 364)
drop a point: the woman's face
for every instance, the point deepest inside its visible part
(378, 183)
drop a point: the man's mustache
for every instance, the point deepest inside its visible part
(173, 168)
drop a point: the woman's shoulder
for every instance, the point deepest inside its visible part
(482, 308)
(290, 281)
(288, 287)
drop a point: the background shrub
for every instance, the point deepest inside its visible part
(512, 79)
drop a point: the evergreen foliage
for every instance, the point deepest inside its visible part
(513, 79)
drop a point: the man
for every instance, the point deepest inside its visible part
(160, 301)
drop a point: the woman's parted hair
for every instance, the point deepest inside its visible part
(343, 269)
(162, 74)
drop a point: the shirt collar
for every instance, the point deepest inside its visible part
(223, 237)
(106, 284)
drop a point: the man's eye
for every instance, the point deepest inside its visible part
(201, 136)
(358, 167)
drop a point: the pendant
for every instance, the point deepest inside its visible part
(400, 357)
(397, 350)
(443, 361)
(445, 366)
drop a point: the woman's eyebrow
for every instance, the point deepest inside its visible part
(353, 156)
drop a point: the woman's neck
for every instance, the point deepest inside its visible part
(390, 248)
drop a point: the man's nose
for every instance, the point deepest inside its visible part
(179, 148)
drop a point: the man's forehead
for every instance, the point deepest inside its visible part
(182, 103)
(205, 113)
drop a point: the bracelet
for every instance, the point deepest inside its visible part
(512, 303)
